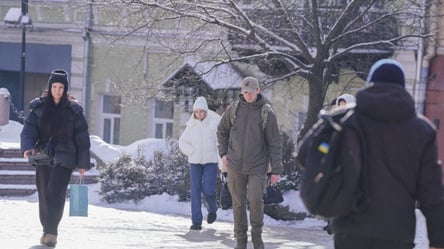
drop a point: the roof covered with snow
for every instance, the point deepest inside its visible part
(215, 74)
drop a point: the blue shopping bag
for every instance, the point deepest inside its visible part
(78, 200)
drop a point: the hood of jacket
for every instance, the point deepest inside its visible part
(211, 115)
(386, 102)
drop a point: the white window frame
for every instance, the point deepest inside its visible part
(164, 122)
(112, 117)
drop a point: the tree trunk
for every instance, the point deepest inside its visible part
(315, 101)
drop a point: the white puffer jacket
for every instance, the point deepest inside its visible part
(198, 141)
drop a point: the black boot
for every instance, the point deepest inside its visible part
(211, 218)
(196, 226)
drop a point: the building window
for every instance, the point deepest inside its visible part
(110, 123)
(301, 119)
(163, 119)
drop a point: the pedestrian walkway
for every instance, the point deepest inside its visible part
(109, 228)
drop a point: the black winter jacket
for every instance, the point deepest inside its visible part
(73, 150)
(402, 166)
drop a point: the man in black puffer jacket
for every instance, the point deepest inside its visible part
(56, 127)
(403, 168)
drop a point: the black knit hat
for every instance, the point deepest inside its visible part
(60, 76)
(386, 71)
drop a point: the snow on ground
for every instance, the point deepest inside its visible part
(114, 228)
(166, 208)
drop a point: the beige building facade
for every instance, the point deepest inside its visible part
(119, 76)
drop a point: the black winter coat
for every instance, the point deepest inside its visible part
(73, 150)
(403, 169)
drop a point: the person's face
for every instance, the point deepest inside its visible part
(200, 114)
(251, 97)
(342, 102)
(57, 91)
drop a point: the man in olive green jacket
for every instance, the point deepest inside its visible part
(247, 146)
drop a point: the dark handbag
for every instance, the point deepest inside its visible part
(40, 159)
(225, 196)
(273, 194)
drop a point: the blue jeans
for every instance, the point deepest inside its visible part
(203, 179)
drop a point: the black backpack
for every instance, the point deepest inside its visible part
(332, 185)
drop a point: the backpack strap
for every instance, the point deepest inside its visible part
(233, 111)
(265, 109)
(363, 199)
(264, 114)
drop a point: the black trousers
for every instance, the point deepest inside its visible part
(347, 241)
(52, 183)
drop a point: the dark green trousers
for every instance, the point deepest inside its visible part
(243, 188)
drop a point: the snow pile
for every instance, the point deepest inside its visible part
(10, 135)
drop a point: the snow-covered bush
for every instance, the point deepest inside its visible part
(134, 178)
(131, 178)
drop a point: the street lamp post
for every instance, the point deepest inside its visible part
(18, 17)
(22, 69)
(23, 54)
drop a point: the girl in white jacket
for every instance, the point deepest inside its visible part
(199, 143)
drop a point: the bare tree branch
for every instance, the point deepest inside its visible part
(370, 44)
(310, 38)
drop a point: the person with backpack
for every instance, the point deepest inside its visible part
(339, 101)
(249, 139)
(198, 141)
(402, 167)
(55, 129)
(345, 99)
